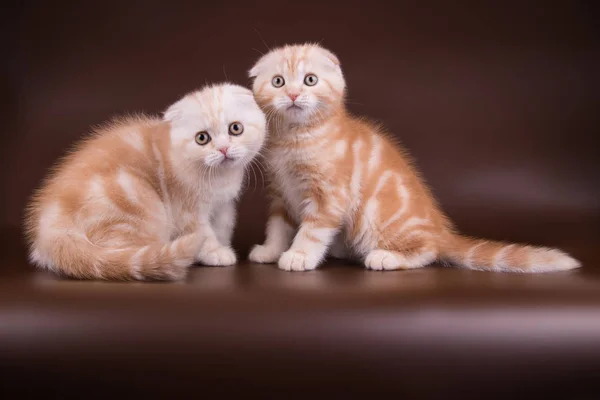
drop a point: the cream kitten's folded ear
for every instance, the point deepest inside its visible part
(175, 111)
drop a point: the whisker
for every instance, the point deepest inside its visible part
(254, 174)
(261, 38)
(225, 73)
(262, 176)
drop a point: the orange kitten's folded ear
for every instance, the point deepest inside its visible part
(255, 70)
(331, 57)
(260, 65)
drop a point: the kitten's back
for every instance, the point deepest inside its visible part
(92, 217)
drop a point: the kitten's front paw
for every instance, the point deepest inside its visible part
(221, 256)
(383, 260)
(264, 254)
(296, 261)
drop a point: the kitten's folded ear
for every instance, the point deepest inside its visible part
(261, 64)
(255, 70)
(331, 58)
(173, 112)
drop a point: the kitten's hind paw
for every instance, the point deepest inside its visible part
(221, 256)
(264, 254)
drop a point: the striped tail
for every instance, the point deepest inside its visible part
(73, 255)
(485, 255)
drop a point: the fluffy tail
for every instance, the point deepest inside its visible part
(75, 256)
(488, 255)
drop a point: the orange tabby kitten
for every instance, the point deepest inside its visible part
(338, 183)
(144, 198)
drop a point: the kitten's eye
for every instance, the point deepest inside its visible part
(311, 80)
(278, 81)
(202, 138)
(236, 128)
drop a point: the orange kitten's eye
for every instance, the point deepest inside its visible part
(311, 80)
(202, 138)
(236, 128)
(278, 81)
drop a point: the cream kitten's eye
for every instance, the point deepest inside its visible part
(278, 81)
(311, 80)
(236, 128)
(202, 138)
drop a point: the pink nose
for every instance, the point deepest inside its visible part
(293, 96)
(224, 150)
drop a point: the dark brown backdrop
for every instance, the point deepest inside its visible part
(497, 102)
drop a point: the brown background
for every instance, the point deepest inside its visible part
(498, 102)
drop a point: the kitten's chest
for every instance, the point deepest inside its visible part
(187, 209)
(288, 168)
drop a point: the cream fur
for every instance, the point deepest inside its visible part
(141, 199)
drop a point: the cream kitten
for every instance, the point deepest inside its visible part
(337, 175)
(144, 198)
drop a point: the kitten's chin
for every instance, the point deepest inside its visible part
(303, 115)
(295, 114)
(230, 163)
(225, 163)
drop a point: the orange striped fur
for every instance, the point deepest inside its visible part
(141, 199)
(340, 186)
